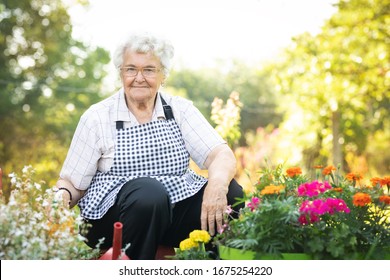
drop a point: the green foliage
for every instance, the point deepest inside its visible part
(269, 223)
(256, 94)
(47, 80)
(194, 253)
(337, 84)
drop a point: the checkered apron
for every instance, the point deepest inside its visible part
(155, 149)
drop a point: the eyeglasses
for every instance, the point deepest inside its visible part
(148, 72)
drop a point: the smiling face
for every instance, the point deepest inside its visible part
(140, 89)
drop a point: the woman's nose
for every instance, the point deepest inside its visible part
(139, 77)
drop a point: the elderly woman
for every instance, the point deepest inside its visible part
(129, 159)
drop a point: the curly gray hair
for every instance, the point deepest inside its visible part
(145, 43)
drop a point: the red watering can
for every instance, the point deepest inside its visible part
(114, 253)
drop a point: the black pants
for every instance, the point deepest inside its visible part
(144, 209)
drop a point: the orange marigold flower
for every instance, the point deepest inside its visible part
(318, 166)
(385, 181)
(293, 171)
(340, 190)
(375, 181)
(354, 176)
(328, 170)
(385, 199)
(59, 227)
(272, 189)
(361, 199)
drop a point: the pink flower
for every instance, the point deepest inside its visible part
(314, 218)
(303, 219)
(254, 203)
(337, 205)
(222, 229)
(318, 207)
(313, 189)
(229, 209)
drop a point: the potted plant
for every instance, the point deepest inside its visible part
(193, 248)
(327, 217)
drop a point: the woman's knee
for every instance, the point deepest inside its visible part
(145, 208)
(144, 193)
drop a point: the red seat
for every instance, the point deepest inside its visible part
(163, 252)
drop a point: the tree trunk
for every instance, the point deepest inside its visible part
(337, 153)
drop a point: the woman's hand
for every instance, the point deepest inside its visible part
(213, 207)
(221, 166)
(68, 192)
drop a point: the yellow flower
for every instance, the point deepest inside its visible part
(187, 244)
(200, 236)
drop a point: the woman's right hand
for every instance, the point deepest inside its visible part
(69, 193)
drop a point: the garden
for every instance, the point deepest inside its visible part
(288, 215)
(310, 132)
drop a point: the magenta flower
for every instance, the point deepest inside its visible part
(318, 207)
(337, 205)
(308, 219)
(303, 220)
(313, 189)
(254, 203)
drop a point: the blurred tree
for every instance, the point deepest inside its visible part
(256, 94)
(47, 81)
(226, 118)
(336, 88)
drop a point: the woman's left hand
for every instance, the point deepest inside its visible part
(221, 166)
(213, 207)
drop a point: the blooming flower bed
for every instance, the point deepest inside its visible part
(328, 217)
(34, 226)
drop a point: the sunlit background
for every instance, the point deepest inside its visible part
(204, 31)
(298, 82)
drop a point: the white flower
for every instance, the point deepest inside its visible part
(26, 169)
(38, 216)
(45, 203)
(13, 178)
(12, 201)
(37, 186)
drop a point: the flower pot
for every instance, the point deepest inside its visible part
(227, 253)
